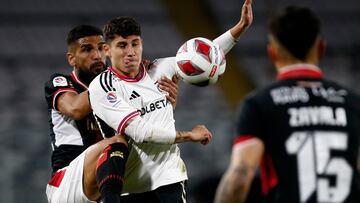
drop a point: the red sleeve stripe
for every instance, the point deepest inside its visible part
(57, 178)
(122, 124)
(243, 138)
(61, 91)
(268, 174)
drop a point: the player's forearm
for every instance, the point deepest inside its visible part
(182, 136)
(75, 106)
(227, 40)
(141, 131)
(238, 30)
(234, 185)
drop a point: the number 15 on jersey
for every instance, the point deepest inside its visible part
(315, 164)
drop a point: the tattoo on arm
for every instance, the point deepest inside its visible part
(234, 186)
(182, 136)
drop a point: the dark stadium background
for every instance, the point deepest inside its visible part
(32, 40)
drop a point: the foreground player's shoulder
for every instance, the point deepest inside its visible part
(102, 83)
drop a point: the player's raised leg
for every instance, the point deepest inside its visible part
(104, 167)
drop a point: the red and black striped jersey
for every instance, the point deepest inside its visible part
(69, 137)
(310, 128)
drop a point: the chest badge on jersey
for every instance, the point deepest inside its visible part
(60, 81)
(111, 97)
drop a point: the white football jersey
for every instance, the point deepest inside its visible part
(115, 100)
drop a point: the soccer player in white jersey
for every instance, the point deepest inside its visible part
(76, 139)
(129, 100)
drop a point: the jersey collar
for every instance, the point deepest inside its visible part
(299, 71)
(76, 79)
(139, 76)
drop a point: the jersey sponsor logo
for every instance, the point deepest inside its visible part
(286, 95)
(317, 115)
(111, 97)
(60, 81)
(153, 106)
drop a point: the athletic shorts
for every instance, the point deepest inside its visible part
(173, 193)
(66, 185)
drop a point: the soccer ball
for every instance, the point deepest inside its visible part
(199, 61)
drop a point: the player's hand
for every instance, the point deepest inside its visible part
(171, 87)
(245, 21)
(201, 134)
(246, 14)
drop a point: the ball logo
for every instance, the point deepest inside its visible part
(111, 97)
(213, 71)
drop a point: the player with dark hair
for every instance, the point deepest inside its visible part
(303, 130)
(78, 173)
(127, 98)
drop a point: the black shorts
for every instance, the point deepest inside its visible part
(173, 193)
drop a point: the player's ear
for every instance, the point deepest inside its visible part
(107, 50)
(272, 53)
(71, 58)
(321, 48)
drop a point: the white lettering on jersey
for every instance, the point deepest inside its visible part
(330, 94)
(60, 81)
(284, 95)
(322, 115)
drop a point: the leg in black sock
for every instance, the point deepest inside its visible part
(110, 172)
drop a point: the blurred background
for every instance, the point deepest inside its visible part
(32, 36)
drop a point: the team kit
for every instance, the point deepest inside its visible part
(114, 137)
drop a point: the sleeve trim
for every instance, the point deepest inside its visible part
(58, 93)
(243, 138)
(122, 124)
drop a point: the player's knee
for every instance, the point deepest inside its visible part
(118, 139)
(110, 168)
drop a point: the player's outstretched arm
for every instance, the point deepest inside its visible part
(235, 183)
(198, 134)
(245, 21)
(74, 105)
(227, 40)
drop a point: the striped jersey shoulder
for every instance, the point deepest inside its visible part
(106, 81)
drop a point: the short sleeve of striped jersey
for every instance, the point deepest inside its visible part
(109, 105)
(56, 85)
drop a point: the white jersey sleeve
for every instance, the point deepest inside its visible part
(162, 67)
(109, 105)
(226, 41)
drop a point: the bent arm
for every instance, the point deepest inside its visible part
(74, 105)
(142, 131)
(235, 183)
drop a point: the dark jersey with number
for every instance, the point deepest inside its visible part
(311, 130)
(69, 137)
